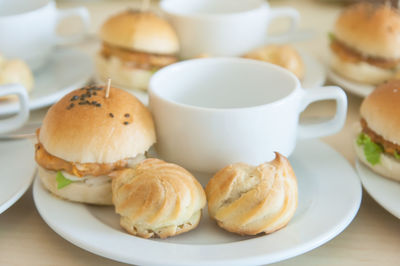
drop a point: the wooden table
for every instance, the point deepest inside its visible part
(373, 238)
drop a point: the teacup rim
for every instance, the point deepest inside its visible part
(152, 93)
(264, 4)
(45, 5)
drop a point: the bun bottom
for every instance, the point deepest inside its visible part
(162, 232)
(388, 167)
(122, 75)
(360, 72)
(77, 191)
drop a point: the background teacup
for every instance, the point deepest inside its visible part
(12, 123)
(210, 113)
(224, 27)
(28, 29)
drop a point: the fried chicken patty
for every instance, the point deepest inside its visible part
(388, 147)
(50, 162)
(146, 61)
(350, 55)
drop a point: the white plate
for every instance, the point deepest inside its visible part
(67, 70)
(329, 197)
(385, 191)
(17, 171)
(314, 76)
(359, 89)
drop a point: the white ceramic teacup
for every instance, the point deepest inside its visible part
(12, 123)
(224, 27)
(210, 113)
(28, 29)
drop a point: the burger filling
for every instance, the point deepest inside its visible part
(90, 173)
(141, 60)
(350, 55)
(374, 145)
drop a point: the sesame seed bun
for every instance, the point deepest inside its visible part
(370, 29)
(381, 111)
(139, 31)
(97, 129)
(99, 194)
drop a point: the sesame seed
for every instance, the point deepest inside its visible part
(98, 105)
(126, 115)
(111, 114)
(94, 93)
(126, 123)
(74, 98)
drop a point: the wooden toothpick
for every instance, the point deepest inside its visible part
(145, 5)
(108, 87)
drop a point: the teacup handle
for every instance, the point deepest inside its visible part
(80, 12)
(18, 120)
(331, 126)
(288, 12)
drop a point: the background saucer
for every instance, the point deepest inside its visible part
(67, 70)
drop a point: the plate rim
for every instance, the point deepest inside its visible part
(360, 168)
(281, 255)
(21, 189)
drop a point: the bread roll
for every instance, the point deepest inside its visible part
(249, 200)
(282, 55)
(157, 199)
(15, 71)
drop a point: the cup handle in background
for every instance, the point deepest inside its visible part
(287, 12)
(80, 12)
(15, 122)
(328, 127)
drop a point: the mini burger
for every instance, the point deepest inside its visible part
(135, 45)
(378, 140)
(85, 136)
(365, 44)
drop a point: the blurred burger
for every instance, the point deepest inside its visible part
(365, 43)
(135, 45)
(85, 136)
(378, 140)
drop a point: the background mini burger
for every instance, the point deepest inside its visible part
(85, 136)
(378, 143)
(135, 45)
(365, 46)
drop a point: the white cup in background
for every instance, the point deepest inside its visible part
(210, 113)
(28, 29)
(224, 27)
(15, 122)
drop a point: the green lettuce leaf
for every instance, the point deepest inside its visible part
(372, 151)
(331, 36)
(396, 155)
(62, 181)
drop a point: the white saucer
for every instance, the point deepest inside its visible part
(17, 171)
(67, 70)
(314, 76)
(362, 90)
(329, 198)
(385, 191)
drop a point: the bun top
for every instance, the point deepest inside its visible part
(381, 111)
(86, 127)
(166, 196)
(371, 29)
(141, 31)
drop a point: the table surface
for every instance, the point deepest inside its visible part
(373, 238)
